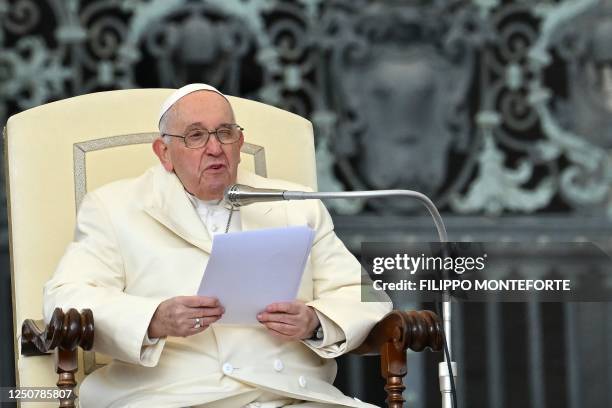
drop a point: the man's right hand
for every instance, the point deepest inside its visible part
(177, 316)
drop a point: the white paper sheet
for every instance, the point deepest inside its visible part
(249, 270)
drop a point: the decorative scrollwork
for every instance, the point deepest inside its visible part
(419, 71)
(106, 35)
(394, 92)
(22, 16)
(415, 330)
(33, 75)
(65, 331)
(578, 126)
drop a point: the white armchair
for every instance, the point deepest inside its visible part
(55, 153)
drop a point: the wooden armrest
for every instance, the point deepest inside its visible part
(65, 333)
(404, 330)
(397, 332)
(65, 330)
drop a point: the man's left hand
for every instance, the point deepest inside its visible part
(289, 320)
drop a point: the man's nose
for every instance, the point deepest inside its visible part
(213, 146)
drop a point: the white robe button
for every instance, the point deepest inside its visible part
(278, 365)
(302, 381)
(227, 369)
(214, 228)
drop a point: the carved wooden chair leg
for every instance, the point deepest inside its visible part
(397, 332)
(394, 369)
(67, 366)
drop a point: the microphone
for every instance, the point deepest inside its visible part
(239, 195)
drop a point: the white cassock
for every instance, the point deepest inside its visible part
(143, 240)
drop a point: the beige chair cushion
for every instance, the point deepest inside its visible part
(58, 151)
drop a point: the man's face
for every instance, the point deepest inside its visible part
(206, 171)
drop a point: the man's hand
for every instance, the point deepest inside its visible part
(289, 320)
(177, 316)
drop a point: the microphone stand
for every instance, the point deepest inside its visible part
(239, 195)
(443, 367)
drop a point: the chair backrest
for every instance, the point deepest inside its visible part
(56, 152)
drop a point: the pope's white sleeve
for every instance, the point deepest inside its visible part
(91, 275)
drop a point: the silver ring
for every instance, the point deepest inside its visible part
(197, 324)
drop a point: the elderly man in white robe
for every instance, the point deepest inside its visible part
(140, 248)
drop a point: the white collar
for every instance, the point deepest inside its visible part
(207, 205)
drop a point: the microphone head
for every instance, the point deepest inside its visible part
(232, 194)
(239, 195)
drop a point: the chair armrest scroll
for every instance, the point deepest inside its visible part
(404, 330)
(65, 331)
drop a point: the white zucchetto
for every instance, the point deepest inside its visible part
(183, 91)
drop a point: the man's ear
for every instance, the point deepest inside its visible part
(161, 150)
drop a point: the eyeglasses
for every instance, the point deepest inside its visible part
(198, 137)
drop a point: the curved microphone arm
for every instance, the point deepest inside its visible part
(239, 195)
(301, 195)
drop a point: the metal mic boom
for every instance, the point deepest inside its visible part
(240, 194)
